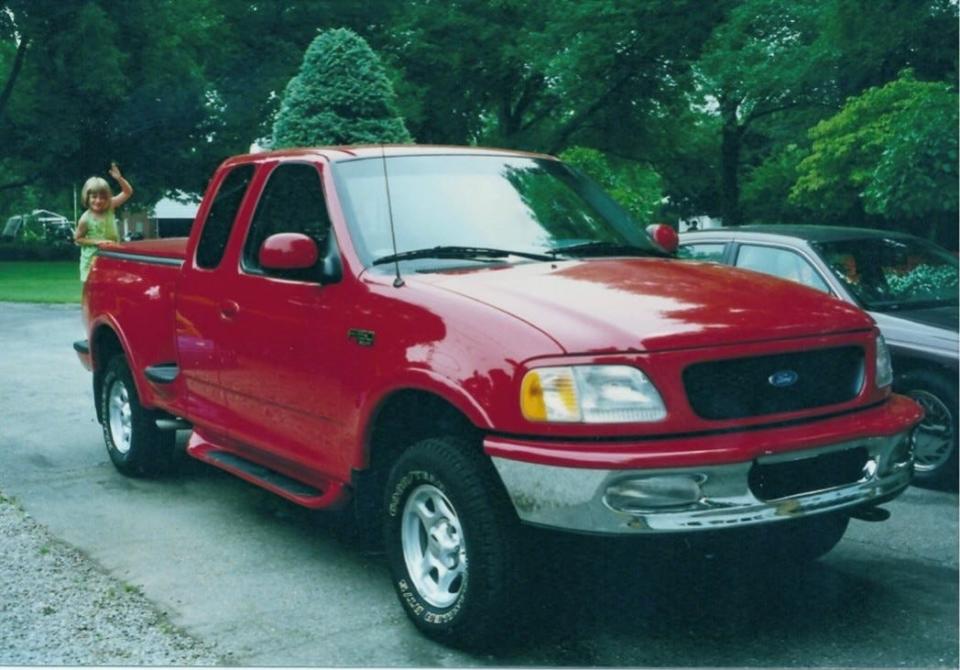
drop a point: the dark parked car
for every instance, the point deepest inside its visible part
(908, 285)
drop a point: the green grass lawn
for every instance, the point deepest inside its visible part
(39, 281)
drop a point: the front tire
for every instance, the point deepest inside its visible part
(451, 543)
(135, 444)
(935, 451)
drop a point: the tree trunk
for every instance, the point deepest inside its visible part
(12, 76)
(730, 166)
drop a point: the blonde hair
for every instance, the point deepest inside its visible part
(94, 185)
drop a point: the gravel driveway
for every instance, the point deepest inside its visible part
(57, 607)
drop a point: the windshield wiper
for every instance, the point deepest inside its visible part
(459, 252)
(603, 249)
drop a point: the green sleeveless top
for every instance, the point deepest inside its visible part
(99, 227)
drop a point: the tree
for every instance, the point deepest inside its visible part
(766, 60)
(340, 96)
(84, 84)
(636, 187)
(892, 152)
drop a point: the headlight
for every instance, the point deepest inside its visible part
(590, 394)
(884, 365)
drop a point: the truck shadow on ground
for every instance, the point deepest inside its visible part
(692, 603)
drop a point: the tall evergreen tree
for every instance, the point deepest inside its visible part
(340, 96)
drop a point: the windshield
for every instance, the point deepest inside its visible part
(490, 202)
(893, 273)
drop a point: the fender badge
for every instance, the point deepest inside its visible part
(362, 337)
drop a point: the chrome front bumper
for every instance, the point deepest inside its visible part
(715, 496)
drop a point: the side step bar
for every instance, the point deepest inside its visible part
(296, 491)
(173, 423)
(162, 373)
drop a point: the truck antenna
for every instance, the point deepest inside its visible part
(398, 280)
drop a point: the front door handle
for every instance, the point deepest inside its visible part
(229, 309)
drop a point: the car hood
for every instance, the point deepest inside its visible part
(608, 305)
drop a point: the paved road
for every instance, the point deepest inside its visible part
(272, 584)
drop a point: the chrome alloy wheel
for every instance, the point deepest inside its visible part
(433, 546)
(119, 416)
(934, 436)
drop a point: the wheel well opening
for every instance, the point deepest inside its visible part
(104, 345)
(404, 419)
(408, 417)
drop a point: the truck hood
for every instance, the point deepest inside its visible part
(641, 304)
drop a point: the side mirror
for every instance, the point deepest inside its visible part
(664, 237)
(288, 251)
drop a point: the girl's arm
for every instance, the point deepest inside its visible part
(80, 236)
(126, 190)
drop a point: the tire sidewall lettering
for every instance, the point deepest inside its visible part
(415, 605)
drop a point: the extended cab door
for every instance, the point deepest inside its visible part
(285, 348)
(202, 307)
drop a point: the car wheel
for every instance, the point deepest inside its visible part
(135, 444)
(450, 539)
(935, 448)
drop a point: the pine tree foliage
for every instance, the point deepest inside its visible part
(341, 95)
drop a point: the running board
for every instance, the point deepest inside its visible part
(271, 480)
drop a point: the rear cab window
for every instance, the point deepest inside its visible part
(222, 214)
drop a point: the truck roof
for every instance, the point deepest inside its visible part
(345, 153)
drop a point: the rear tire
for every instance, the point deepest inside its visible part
(935, 452)
(451, 543)
(135, 444)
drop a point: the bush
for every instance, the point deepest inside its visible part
(340, 96)
(35, 250)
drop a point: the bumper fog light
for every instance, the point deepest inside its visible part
(652, 493)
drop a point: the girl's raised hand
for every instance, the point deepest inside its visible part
(115, 171)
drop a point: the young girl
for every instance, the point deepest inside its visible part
(98, 224)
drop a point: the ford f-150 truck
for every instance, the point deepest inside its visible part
(462, 342)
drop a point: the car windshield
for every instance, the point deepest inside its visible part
(893, 273)
(465, 203)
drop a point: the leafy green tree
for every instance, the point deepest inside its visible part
(890, 152)
(765, 60)
(84, 84)
(636, 187)
(340, 96)
(874, 40)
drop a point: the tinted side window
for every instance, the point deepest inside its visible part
(780, 263)
(703, 252)
(292, 202)
(220, 218)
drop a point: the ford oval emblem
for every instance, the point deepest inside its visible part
(783, 378)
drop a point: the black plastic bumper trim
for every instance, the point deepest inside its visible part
(82, 347)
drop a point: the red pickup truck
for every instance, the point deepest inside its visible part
(461, 342)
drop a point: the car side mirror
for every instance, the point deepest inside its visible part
(288, 251)
(664, 237)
